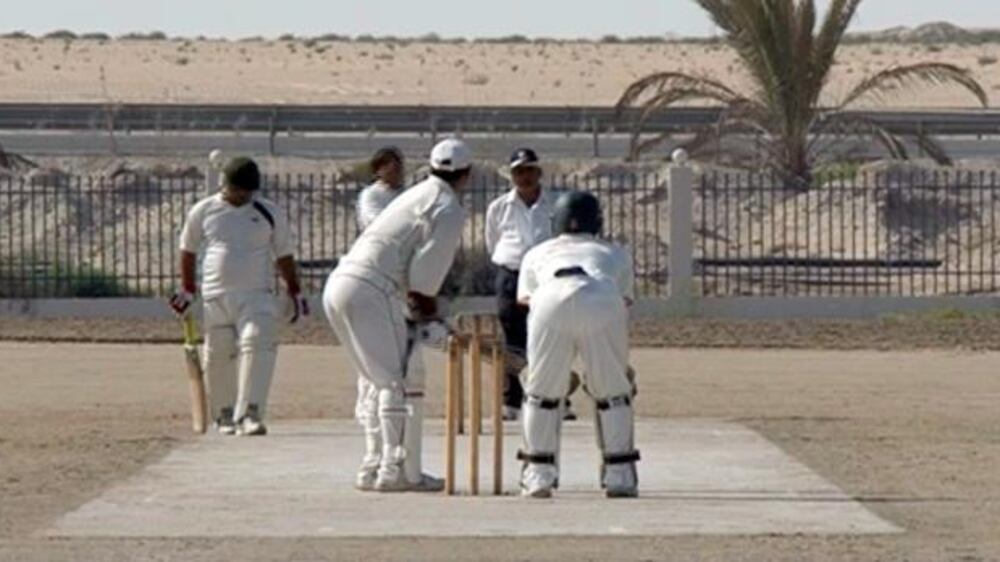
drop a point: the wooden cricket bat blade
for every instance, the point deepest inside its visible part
(196, 378)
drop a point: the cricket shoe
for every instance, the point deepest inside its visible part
(224, 424)
(365, 481)
(250, 424)
(620, 482)
(539, 481)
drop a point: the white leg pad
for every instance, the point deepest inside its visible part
(615, 434)
(393, 414)
(542, 420)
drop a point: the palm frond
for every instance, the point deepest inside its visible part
(842, 126)
(933, 149)
(935, 74)
(660, 82)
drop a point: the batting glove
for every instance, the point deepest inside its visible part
(181, 301)
(433, 333)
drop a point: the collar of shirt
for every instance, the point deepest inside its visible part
(543, 199)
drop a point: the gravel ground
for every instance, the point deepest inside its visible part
(944, 330)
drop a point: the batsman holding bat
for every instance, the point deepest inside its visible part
(399, 262)
(244, 237)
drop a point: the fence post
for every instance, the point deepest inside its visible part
(681, 260)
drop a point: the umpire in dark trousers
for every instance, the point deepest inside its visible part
(516, 222)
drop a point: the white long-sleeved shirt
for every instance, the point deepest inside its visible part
(601, 260)
(372, 201)
(241, 243)
(413, 242)
(513, 228)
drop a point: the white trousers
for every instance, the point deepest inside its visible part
(577, 317)
(370, 323)
(586, 319)
(241, 349)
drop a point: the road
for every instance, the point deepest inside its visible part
(357, 146)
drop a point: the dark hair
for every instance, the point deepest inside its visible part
(383, 156)
(242, 173)
(451, 178)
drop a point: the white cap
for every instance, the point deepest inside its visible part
(680, 156)
(451, 155)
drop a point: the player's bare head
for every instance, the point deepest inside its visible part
(451, 161)
(240, 179)
(387, 165)
(525, 168)
(577, 212)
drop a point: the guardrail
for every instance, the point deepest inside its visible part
(275, 119)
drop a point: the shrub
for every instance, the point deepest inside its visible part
(63, 34)
(54, 281)
(17, 35)
(987, 60)
(95, 36)
(137, 36)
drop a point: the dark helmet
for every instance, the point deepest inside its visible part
(577, 212)
(242, 173)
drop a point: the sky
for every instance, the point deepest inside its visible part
(466, 18)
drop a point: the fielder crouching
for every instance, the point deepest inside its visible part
(578, 288)
(244, 237)
(399, 262)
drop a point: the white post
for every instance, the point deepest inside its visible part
(681, 261)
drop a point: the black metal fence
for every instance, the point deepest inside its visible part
(118, 236)
(901, 233)
(913, 233)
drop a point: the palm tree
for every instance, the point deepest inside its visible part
(788, 61)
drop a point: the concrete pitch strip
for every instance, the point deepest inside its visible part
(698, 477)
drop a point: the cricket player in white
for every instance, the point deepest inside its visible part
(243, 237)
(387, 166)
(399, 261)
(578, 288)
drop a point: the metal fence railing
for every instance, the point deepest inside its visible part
(117, 236)
(897, 234)
(915, 233)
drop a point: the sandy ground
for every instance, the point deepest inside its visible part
(913, 435)
(945, 330)
(287, 72)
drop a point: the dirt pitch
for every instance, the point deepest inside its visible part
(914, 435)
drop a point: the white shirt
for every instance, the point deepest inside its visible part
(512, 228)
(412, 243)
(240, 243)
(601, 260)
(373, 200)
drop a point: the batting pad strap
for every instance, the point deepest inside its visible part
(621, 458)
(542, 403)
(622, 401)
(536, 458)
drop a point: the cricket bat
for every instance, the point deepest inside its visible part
(196, 377)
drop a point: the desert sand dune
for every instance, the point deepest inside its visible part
(316, 72)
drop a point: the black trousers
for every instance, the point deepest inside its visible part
(514, 321)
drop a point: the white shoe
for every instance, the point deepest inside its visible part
(620, 481)
(251, 424)
(511, 413)
(224, 424)
(538, 481)
(365, 480)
